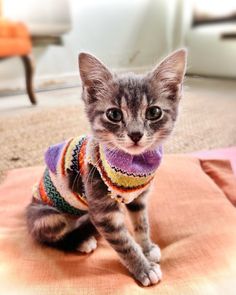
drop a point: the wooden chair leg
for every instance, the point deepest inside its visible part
(29, 71)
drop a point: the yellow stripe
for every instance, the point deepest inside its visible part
(68, 156)
(122, 179)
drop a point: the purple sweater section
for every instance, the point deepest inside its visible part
(143, 164)
(52, 155)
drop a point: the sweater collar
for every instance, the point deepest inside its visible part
(137, 165)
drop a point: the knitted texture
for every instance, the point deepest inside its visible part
(126, 176)
(53, 189)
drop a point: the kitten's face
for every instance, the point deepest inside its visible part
(132, 113)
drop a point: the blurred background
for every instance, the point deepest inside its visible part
(39, 45)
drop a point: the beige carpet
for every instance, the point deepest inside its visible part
(206, 121)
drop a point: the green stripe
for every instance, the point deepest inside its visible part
(58, 201)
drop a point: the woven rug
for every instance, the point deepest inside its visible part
(204, 123)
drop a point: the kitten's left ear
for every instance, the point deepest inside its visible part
(172, 68)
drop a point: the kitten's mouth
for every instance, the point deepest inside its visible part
(135, 145)
(134, 149)
(131, 147)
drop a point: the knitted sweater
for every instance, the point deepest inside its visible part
(126, 176)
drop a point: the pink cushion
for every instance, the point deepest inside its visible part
(224, 153)
(191, 219)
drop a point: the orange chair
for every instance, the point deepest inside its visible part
(15, 41)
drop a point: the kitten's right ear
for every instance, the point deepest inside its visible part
(92, 71)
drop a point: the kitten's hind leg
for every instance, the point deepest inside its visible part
(81, 238)
(88, 246)
(45, 223)
(49, 226)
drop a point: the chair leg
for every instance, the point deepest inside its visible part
(29, 71)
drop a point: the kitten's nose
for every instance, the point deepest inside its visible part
(135, 136)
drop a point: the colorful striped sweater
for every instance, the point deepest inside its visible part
(125, 175)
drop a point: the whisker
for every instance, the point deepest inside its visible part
(92, 171)
(75, 180)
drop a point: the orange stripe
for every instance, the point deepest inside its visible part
(63, 172)
(78, 197)
(43, 194)
(82, 166)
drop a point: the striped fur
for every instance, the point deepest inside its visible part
(111, 225)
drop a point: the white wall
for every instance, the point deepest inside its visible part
(41, 17)
(123, 33)
(210, 55)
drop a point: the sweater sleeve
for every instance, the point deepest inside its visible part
(52, 156)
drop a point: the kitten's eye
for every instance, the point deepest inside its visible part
(114, 115)
(154, 113)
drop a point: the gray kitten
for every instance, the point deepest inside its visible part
(130, 115)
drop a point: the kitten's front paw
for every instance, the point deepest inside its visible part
(153, 254)
(150, 276)
(88, 246)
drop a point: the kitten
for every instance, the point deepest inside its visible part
(89, 179)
